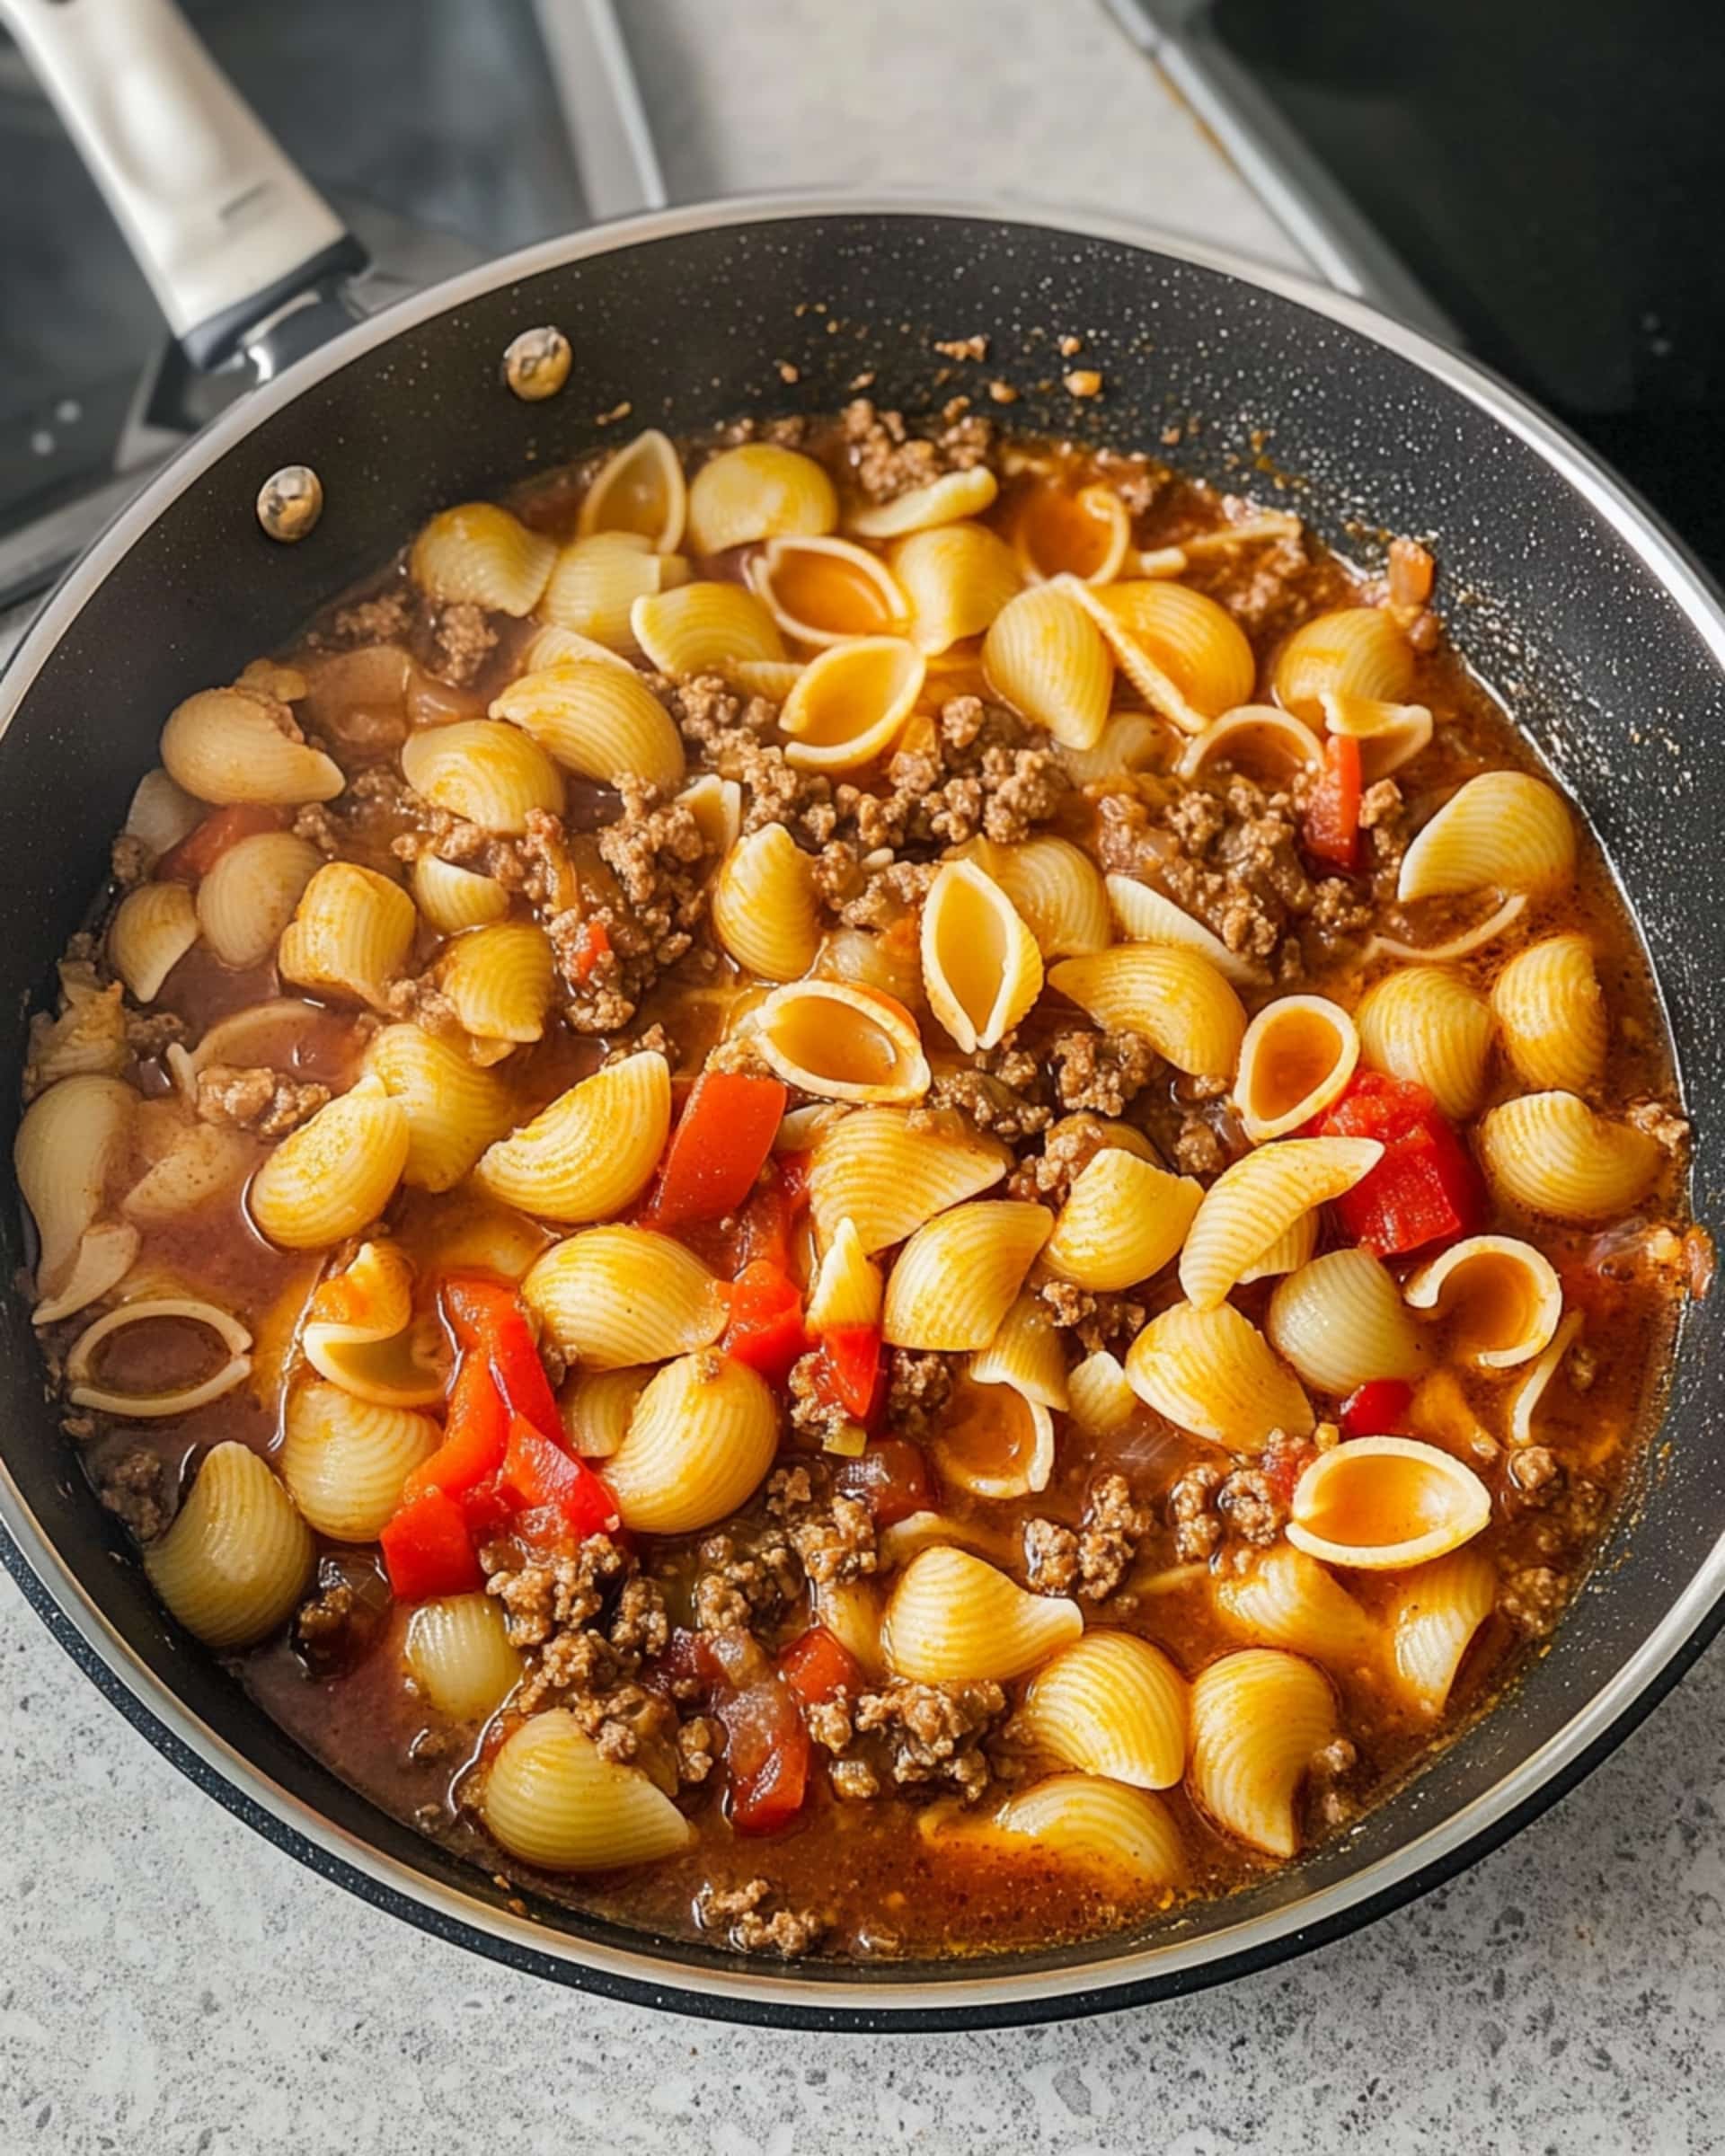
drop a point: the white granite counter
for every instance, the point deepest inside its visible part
(168, 1984)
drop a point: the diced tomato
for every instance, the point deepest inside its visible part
(205, 844)
(770, 1218)
(590, 947)
(851, 1373)
(1425, 1189)
(1377, 1409)
(816, 1667)
(428, 1549)
(1332, 830)
(767, 1749)
(718, 1149)
(475, 1435)
(766, 1327)
(486, 1317)
(538, 1475)
(892, 1477)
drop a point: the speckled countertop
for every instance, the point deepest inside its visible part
(168, 1983)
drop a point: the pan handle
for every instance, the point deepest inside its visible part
(228, 233)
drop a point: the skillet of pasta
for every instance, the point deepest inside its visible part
(870, 1188)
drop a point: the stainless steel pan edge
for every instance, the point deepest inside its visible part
(844, 1999)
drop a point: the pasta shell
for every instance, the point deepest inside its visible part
(334, 1174)
(887, 1176)
(850, 704)
(1260, 1718)
(1353, 653)
(592, 1151)
(616, 1296)
(698, 1444)
(1461, 946)
(994, 1441)
(479, 555)
(944, 501)
(1112, 1704)
(71, 1142)
(344, 1460)
(1286, 1254)
(981, 969)
(1390, 735)
(1341, 1323)
(487, 773)
(1432, 1620)
(1548, 1002)
(454, 1109)
(1425, 1024)
(1210, 1371)
(86, 1389)
(458, 1650)
(361, 1333)
(1532, 1387)
(955, 578)
(596, 581)
(1550, 1154)
(1257, 739)
(773, 678)
(553, 647)
(596, 1406)
(1297, 1056)
(596, 720)
(1084, 535)
(349, 935)
(716, 805)
(88, 1038)
(1026, 1353)
(1118, 1831)
(162, 814)
(1170, 995)
(758, 491)
(764, 911)
(1132, 740)
(1252, 1204)
(1045, 657)
(1056, 890)
(100, 1261)
(453, 898)
(1501, 1299)
(841, 1042)
(850, 1609)
(226, 746)
(1285, 1598)
(551, 1800)
(847, 1289)
(1187, 657)
(1099, 1397)
(238, 1556)
(1501, 830)
(823, 590)
(1144, 915)
(1384, 1504)
(639, 489)
(954, 1620)
(202, 1162)
(498, 980)
(956, 1278)
(248, 897)
(1175, 561)
(1123, 1220)
(153, 928)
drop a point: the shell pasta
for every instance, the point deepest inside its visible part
(864, 1166)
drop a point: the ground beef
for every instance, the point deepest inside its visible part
(919, 1388)
(1534, 1475)
(1262, 586)
(252, 1097)
(130, 861)
(695, 1748)
(1661, 1122)
(658, 858)
(420, 1002)
(1095, 1317)
(1198, 1149)
(588, 1619)
(990, 1105)
(1046, 1178)
(832, 1533)
(753, 1930)
(382, 619)
(461, 639)
(1211, 1506)
(729, 732)
(1103, 1072)
(742, 1580)
(887, 459)
(138, 1490)
(1334, 1805)
(813, 1414)
(1384, 816)
(149, 1032)
(1532, 1597)
(983, 774)
(1093, 1559)
(333, 1627)
(923, 1733)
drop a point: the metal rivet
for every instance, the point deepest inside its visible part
(536, 364)
(289, 503)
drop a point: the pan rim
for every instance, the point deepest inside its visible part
(845, 2001)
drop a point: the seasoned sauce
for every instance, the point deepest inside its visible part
(875, 1862)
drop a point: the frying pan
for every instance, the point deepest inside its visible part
(1560, 588)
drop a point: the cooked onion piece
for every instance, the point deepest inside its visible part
(1297, 1056)
(1502, 1298)
(842, 1042)
(85, 1388)
(1385, 1504)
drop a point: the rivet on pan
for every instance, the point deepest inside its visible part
(536, 364)
(291, 501)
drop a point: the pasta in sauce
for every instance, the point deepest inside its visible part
(881, 1191)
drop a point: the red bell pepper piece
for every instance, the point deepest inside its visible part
(594, 943)
(205, 844)
(1377, 1409)
(487, 1318)
(851, 1373)
(817, 1666)
(428, 1549)
(475, 1435)
(893, 1478)
(765, 1327)
(718, 1149)
(537, 1475)
(1332, 830)
(1425, 1189)
(767, 1751)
